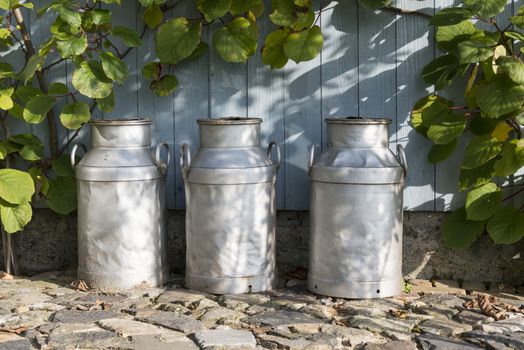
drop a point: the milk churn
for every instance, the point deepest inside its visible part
(230, 208)
(121, 206)
(356, 211)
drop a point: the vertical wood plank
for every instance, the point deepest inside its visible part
(126, 96)
(159, 109)
(266, 100)
(303, 127)
(415, 48)
(340, 60)
(227, 83)
(191, 101)
(447, 194)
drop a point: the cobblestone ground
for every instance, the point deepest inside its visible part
(46, 312)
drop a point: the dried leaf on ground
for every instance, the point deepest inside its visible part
(5, 276)
(489, 305)
(18, 330)
(80, 285)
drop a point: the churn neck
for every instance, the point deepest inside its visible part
(119, 133)
(231, 132)
(358, 132)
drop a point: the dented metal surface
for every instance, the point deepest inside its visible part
(230, 208)
(121, 206)
(356, 212)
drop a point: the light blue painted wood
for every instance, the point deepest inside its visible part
(303, 127)
(340, 60)
(370, 66)
(159, 109)
(266, 100)
(415, 48)
(191, 102)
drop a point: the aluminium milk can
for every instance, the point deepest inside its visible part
(121, 206)
(230, 208)
(356, 211)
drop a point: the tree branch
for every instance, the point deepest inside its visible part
(51, 119)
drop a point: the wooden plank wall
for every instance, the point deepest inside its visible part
(370, 66)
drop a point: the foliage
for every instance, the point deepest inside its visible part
(82, 34)
(474, 46)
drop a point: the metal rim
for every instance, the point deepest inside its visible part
(122, 121)
(358, 120)
(230, 121)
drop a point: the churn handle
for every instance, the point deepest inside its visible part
(401, 155)
(269, 152)
(73, 153)
(311, 157)
(185, 159)
(160, 164)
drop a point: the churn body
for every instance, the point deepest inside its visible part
(230, 208)
(356, 212)
(121, 207)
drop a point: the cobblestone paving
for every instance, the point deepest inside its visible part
(44, 312)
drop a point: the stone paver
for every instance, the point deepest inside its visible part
(225, 339)
(52, 315)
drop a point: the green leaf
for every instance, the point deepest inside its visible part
(307, 3)
(6, 102)
(273, 50)
(61, 196)
(165, 85)
(6, 70)
(427, 109)
(483, 201)
(440, 71)
(450, 15)
(470, 178)
(513, 67)
(25, 93)
(62, 166)
(518, 20)
(86, 80)
(213, 9)
(153, 16)
(16, 187)
(15, 216)
(486, 8)
(480, 150)
(236, 41)
(72, 46)
(3, 150)
(97, 19)
(447, 37)
(512, 158)
(499, 96)
(127, 35)
(482, 126)
(74, 115)
(33, 64)
(305, 45)
(286, 14)
(476, 49)
(73, 18)
(58, 89)
(239, 7)
(114, 68)
(106, 104)
(177, 39)
(446, 128)
(31, 148)
(199, 51)
(37, 107)
(458, 232)
(506, 226)
(151, 70)
(514, 35)
(439, 153)
(7, 4)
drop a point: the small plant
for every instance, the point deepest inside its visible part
(406, 287)
(493, 114)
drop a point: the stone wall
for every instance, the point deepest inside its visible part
(49, 243)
